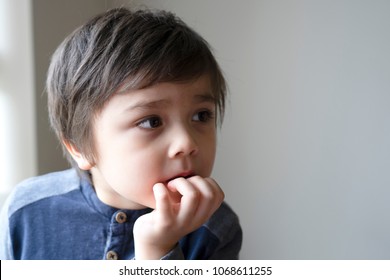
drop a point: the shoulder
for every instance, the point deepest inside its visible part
(40, 187)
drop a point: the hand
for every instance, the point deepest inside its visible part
(158, 232)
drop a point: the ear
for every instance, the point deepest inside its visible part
(80, 159)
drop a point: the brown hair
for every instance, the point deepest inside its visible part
(122, 48)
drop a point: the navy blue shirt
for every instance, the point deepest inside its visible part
(59, 216)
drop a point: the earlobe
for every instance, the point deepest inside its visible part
(80, 159)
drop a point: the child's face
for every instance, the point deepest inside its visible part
(152, 135)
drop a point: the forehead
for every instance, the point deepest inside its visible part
(196, 89)
(159, 95)
(133, 84)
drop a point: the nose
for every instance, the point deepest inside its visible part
(183, 143)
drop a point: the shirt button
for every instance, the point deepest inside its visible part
(121, 217)
(111, 255)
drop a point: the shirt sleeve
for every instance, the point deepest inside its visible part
(175, 254)
(225, 226)
(230, 247)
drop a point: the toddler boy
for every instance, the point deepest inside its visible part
(135, 98)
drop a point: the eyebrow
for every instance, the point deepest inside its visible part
(148, 104)
(198, 98)
(207, 97)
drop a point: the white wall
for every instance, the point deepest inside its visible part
(17, 111)
(304, 152)
(29, 33)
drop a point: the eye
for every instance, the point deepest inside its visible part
(203, 116)
(150, 122)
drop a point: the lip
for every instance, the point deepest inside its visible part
(185, 175)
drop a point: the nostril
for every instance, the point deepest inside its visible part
(183, 146)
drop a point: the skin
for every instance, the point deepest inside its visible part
(155, 148)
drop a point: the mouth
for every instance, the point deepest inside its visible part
(185, 175)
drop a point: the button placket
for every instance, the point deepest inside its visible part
(116, 235)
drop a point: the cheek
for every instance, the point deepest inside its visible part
(208, 156)
(128, 168)
(133, 180)
(138, 168)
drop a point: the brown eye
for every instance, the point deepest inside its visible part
(203, 116)
(150, 123)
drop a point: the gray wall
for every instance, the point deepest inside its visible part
(52, 21)
(304, 153)
(304, 150)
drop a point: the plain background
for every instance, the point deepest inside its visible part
(304, 150)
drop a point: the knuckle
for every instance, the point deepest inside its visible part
(193, 194)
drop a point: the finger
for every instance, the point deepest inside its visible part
(211, 197)
(189, 200)
(163, 205)
(220, 195)
(174, 195)
(208, 187)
